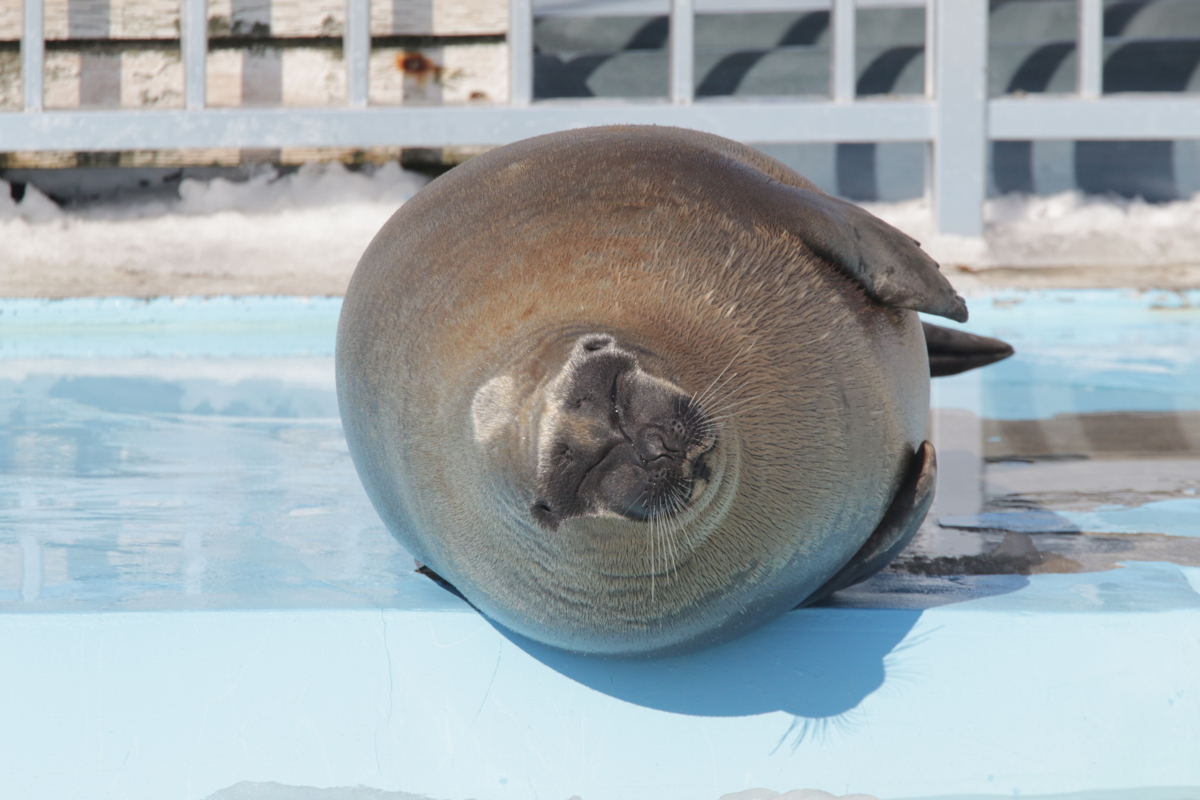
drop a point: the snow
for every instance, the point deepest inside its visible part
(303, 233)
(1069, 229)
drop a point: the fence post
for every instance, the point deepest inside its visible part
(356, 51)
(842, 74)
(1089, 52)
(33, 55)
(520, 52)
(960, 129)
(683, 49)
(193, 41)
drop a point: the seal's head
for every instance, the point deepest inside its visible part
(610, 438)
(616, 440)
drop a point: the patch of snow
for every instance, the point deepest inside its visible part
(34, 207)
(1063, 230)
(301, 233)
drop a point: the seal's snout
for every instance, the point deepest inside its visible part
(617, 441)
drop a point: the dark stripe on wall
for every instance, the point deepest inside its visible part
(1138, 169)
(856, 168)
(651, 36)
(554, 77)
(806, 30)
(1117, 17)
(727, 75)
(1012, 162)
(1151, 66)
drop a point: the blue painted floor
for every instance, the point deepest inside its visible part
(196, 599)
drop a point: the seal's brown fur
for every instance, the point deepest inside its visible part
(690, 251)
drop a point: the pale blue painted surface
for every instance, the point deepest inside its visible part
(1069, 682)
(1176, 517)
(1082, 351)
(195, 592)
(167, 327)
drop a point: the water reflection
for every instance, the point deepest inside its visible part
(171, 454)
(194, 483)
(1085, 446)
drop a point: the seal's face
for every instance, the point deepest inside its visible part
(614, 440)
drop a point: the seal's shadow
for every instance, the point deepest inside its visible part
(816, 662)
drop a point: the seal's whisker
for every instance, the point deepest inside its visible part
(739, 412)
(715, 390)
(704, 394)
(700, 398)
(649, 539)
(720, 419)
(736, 403)
(721, 401)
(655, 536)
(664, 530)
(676, 499)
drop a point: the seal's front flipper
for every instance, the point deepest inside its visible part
(894, 531)
(888, 263)
(952, 352)
(440, 581)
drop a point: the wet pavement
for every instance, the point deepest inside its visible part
(188, 453)
(180, 455)
(1081, 452)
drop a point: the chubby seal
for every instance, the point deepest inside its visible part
(638, 390)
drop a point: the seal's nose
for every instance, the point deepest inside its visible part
(656, 441)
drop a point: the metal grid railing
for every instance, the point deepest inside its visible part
(955, 117)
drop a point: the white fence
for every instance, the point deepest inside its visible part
(955, 117)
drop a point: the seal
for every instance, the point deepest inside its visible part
(635, 391)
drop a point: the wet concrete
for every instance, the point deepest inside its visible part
(1108, 472)
(158, 454)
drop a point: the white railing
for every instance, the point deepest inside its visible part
(955, 117)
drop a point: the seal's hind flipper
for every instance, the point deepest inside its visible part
(952, 352)
(894, 531)
(888, 263)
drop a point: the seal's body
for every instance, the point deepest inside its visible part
(637, 390)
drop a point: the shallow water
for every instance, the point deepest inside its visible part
(171, 454)
(1081, 451)
(188, 453)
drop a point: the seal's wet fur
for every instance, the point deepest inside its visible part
(764, 332)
